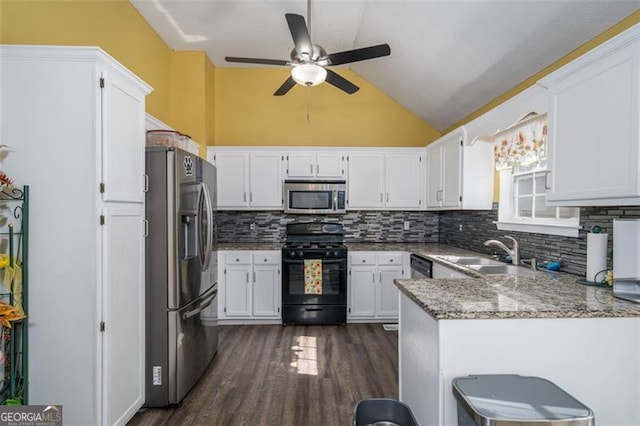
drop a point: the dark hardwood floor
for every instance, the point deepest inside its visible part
(288, 375)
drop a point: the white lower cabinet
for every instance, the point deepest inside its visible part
(249, 287)
(372, 294)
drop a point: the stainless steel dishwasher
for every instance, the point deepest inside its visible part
(420, 267)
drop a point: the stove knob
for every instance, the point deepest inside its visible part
(292, 254)
(336, 253)
(300, 254)
(328, 254)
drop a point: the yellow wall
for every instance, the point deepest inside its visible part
(187, 93)
(247, 113)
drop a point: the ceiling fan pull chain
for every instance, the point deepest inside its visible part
(308, 104)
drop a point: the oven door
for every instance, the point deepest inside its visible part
(333, 289)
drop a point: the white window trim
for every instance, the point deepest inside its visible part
(565, 228)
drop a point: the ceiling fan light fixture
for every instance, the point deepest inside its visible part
(308, 74)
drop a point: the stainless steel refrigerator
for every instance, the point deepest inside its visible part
(181, 273)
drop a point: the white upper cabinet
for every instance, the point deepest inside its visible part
(248, 180)
(390, 180)
(123, 122)
(265, 180)
(594, 126)
(404, 181)
(459, 173)
(366, 180)
(315, 164)
(232, 179)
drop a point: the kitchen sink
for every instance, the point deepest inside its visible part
(500, 269)
(487, 266)
(470, 260)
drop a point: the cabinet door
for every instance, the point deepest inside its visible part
(123, 301)
(387, 294)
(451, 168)
(122, 140)
(237, 291)
(366, 180)
(301, 164)
(232, 179)
(266, 291)
(330, 165)
(593, 131)
(265, 180)
(362, 291)
(404, 181)
(434, 176)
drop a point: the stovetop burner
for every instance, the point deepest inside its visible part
(312, 245)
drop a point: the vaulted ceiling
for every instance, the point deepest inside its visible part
(448, 57)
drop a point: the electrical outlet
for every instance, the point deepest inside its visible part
(252, 226)
(460, 227)
(407, 225)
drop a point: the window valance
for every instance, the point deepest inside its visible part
(523, 143)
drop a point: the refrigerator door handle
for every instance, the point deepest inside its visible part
(205, 249)
(201, 307)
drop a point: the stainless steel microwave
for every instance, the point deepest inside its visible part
(315, 196)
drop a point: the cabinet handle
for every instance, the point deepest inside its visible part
(251, 197)
(381, 197)
(546, 175)
(380, 277)
(254, 277)
(311, 168)
(244, 196)
(317, 169)
(247, 277)
(391, 260)
(364, 260)
(373, 275)
(146, 228)
(387, 197)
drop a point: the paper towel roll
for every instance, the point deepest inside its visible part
(596, 256)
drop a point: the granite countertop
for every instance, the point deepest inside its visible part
(539, 294)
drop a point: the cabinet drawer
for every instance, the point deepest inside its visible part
(389, 259)
(238, 258)
(266, 258)
(362, 259)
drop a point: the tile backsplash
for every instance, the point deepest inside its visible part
(478, 226)
(360, 226)
(431, 227)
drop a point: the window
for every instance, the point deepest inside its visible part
(520, 154)
(523, 206)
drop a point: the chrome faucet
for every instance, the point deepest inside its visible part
(513, 252)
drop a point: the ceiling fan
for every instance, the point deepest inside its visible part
(309, 61)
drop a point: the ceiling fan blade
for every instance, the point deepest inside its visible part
(356, 55)
(256, 61)
(286, 86)
(300, 34)
(341, 83)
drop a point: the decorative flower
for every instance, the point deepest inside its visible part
(8, 314)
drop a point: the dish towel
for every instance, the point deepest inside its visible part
(313, 276)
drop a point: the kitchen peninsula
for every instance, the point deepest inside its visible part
(540, 324)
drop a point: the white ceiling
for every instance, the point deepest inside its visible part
(448, 57)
